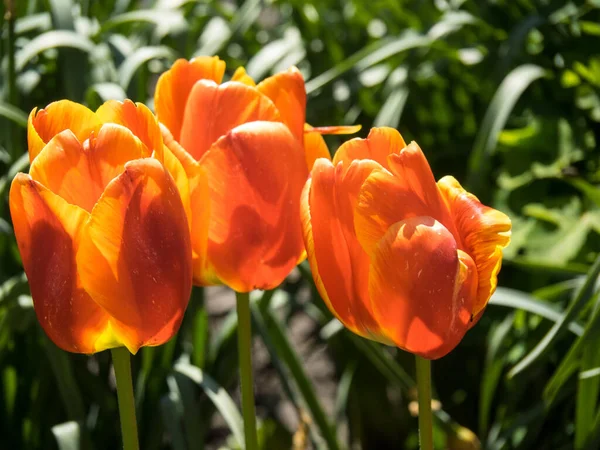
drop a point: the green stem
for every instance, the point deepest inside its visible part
(125, 395)
(245, 355)
(11, 75)
(424, 392)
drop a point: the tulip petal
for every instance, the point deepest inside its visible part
(47, 230)
(380, 143)
(335, 129)
(174, 87)
(287, 91)
(137, 118)
(241, 76)
(214, 110)
(255, 175)
(484, 232)
(46, 123)
(314, 148)
(389, 198)
(135, 254)
(414, 287)
(79, 173)
(340, 266)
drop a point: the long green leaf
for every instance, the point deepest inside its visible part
(218, 396)
(169, 18)
(503, 102)
(138, 58)
(67, 435)
(49, 40)
(13, 113)
(559, 327)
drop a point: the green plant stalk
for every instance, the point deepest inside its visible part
(122, 364)
(245, 359)
(424, 392)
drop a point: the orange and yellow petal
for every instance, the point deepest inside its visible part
(483, 231)
(255, 176)
(174, 87)
(380, 143)
(286, 90)
(335, 129)
(79, 173)
(47, 230)
(134, 256)
(137, 118)
(46, 123)
(413, 288)
(213, 110)
(314, 148)
(241, 76)
(340, 266)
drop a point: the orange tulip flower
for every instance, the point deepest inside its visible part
(102, 228)
(251, 143)
(397, 257)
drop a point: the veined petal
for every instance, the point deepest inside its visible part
(79, 173)
(255, 175)
(415, 269)
(388, 198)
(287, 91)
(47, 230)
(46, 123)
(484, 232)
(214, 110)
(135, 254)
(340, 266)
(137, 118)
(174, 87)
(380, 143)
(241, 76)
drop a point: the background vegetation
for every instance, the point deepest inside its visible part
(503, 94)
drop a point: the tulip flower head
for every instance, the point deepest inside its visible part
(102, 228)
(397, 257)
(252, 144)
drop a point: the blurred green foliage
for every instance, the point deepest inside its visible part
(502, 94)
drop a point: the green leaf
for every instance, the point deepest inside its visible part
(67, 435)
(138, 58)
(369, 56)
(169, 19)
(520, 300)
(13, 113)
(588, 387)
(49, 40)
(502, 104)
(219, 397)
(578, 302)
(288, 355)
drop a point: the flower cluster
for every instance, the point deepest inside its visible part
(123, 210)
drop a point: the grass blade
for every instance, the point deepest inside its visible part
(14, 114)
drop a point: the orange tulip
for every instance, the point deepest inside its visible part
(250, 141)
(397, 257)
(102, 228)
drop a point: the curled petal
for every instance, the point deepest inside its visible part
(414, 286)
(79, 173)
(380, 143)
(336, 129)
(174, 87)
(214, 110)
(287, 91)
(137, 118)
(135, 254)
(241, 76)
(255, 175)
(47, 230)
(484, 232)
(387, 198)
(340, 266)
(46, 123)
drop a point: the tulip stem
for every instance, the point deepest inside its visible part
(122, 364)
(245, 358)
(424, 392)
